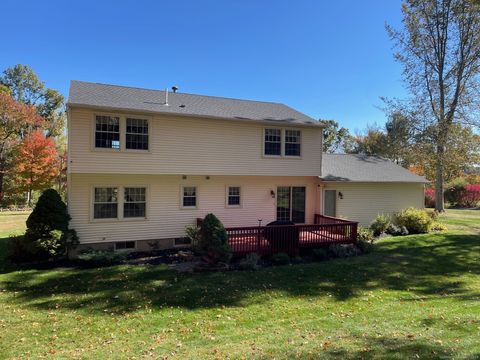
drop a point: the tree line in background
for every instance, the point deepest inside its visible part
(32, 137)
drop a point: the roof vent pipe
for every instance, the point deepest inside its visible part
(166, 96)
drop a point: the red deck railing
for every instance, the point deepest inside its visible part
(267, 240)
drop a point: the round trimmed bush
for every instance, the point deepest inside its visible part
(416, 221)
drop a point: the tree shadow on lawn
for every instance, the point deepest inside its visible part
(381, 347)
(423, 265)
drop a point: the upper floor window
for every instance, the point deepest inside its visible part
(282, 142)
(292, 142)
(134, 202)
(233, 196)
(136, 134)
(105, 203)
(273, 142)
(107, 132)
(189, 196)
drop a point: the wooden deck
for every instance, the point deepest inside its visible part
(267, 240)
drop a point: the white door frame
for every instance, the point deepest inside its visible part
(323, 200)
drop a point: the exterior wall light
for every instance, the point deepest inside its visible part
(340, 195)
(272, 193)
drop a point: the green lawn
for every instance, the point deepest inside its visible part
(11, 223)
(414, 297)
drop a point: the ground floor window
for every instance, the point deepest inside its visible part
(189, 196)
(233, 196)
(134, 202)
(291, 203)
(105, 203)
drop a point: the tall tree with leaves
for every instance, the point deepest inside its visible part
(14, 119)
(35, 163)
(336, 139)
(439, 48)
(462, 151)
(27, 88)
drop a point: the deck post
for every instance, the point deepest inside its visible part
(354, 232)
(258, 239)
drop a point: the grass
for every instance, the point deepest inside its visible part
(11, 223)
(414, 297)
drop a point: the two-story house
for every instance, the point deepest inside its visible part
(144, 164)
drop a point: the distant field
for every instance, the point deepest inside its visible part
(465, 220)
(12, 222)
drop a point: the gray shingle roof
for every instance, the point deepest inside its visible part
(152, 101)
(362, 168)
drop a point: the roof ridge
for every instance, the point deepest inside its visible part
(184, 93)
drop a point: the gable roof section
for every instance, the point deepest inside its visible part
(362, 168)
(115, 97)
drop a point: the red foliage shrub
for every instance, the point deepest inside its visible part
(429, 197)
(471, 196)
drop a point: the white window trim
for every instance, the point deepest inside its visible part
(94, 128)
(196, 197)
(323, 200)
(123, 133)
(227, 187)
(147, 202)
(291, 194)
(285, 142)
(92, 203)
(263, 142)
(282, 144)
(125, 250)
(120, 203)
(149, 122)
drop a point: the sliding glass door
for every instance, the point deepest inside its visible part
(291, 203)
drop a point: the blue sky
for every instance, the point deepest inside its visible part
(328, 59)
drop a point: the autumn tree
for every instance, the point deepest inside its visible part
(439, 48)
(14, 119)
(462, 153)
(336, 138)
(35, 163)
(27, 88)
(372, 142)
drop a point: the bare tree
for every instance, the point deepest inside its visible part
(439, 48)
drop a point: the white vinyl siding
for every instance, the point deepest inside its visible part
(362, 202)
(165, 217)
(190, 146)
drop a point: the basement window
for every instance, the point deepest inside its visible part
(125, 245)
